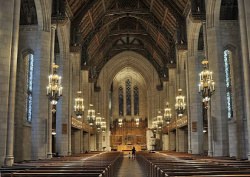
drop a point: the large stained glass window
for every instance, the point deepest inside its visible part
(136, 100)
(128, 97)
(227, 56)
(120, 95)
(29, 87)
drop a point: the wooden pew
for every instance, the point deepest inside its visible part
(92, 164)
(180, 164)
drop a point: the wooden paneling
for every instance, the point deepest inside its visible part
(181, 122)
(128, 135)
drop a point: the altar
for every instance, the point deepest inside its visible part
(129, 135)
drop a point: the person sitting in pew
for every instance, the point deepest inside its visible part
(58, 155)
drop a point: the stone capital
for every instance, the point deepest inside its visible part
(53, 26)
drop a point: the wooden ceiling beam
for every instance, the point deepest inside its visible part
(173, 10)
(144, 38)
(165, 16)
(97, 40)
(91, 20)
(69, 11)
(158, 38)
(147, 18)
(82, 12)
(151, 5)
(104, 6)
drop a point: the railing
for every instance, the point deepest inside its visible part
(82, 126)
(181, 122)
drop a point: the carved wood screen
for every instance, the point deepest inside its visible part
(128, 135)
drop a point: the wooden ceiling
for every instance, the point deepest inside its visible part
(103, 28)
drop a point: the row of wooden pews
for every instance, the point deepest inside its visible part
(167, 163)
(94, 164)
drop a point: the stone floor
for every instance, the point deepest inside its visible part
(130, 168)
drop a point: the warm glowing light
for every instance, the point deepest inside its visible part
(167, 114)
(206, 85)
(180, 105)
(120, 122)
(91, 115)
(98, 121)
(159, 120)
(103, 125)
(137, 122)
(154, 123)
(79, 107)
(54, 89)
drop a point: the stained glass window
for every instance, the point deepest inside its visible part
(128, 97)
(136, 100)
(120, 95)
(227, 56)
(29, 73)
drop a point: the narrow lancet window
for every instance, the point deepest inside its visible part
(128, 97)
(227, 58)
(29, 86)
(120, 95)
(136, 101)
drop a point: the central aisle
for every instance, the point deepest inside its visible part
(130, 168)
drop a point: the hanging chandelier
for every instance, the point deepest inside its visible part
(154, 123)
(159, 120)
(206, 85)
(79, 107)
(137, 120)
(120, 122)
(91, 115)
(167, 114)
(54, 89)
(98, 121)
(103, 125)
(180, 104)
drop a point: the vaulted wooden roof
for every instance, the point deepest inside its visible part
(104, 28)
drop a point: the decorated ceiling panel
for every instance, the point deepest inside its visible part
(102, 25)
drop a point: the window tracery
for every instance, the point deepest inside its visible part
(120, 95)
(29, 86)
(227, 56)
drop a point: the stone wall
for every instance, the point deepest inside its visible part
(6, 20)
(27, 45)
(229, 32)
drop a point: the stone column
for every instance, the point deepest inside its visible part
(9, 160)
(88, 135)
(40, 101)
(165, 139)
(93, 142)
(210, 131)
(81, 141)
(6, 27)
(75, 142)
(172, 94)
(182, 137)
(176, 135)
(218, 100)
(172, 141)
(172, 91)
(85, 92)
(244, 17)
(85, 142)
(69, 106)
(52, 52)
(63, 114)
(194, 105)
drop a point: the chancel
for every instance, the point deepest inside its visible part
(87, 84)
